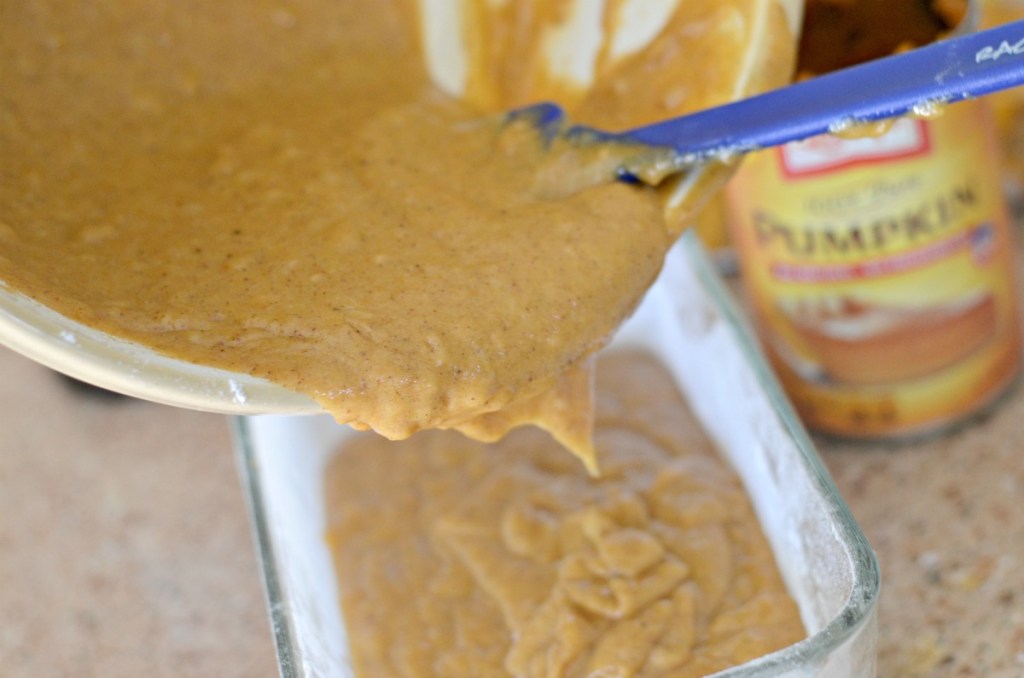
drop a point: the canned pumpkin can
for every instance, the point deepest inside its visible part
(879, 262)
(880, 271)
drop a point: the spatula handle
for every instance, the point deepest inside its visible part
(939, 73)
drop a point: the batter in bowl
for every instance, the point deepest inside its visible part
(280, 189)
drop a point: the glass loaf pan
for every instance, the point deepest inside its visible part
(689, 321)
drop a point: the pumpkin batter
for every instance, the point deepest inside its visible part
(456, 558)
(278, 188)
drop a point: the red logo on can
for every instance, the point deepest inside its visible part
(828, 153)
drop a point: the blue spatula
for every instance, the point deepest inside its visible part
(918, 81)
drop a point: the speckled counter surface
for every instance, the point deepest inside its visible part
(946, 518)
(125, 547)
(124, 539)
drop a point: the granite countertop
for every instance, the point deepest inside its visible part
(125, 548)
(946, 518)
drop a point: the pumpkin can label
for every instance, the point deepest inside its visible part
(880, 273)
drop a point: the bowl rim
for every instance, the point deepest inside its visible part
(90, 355)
